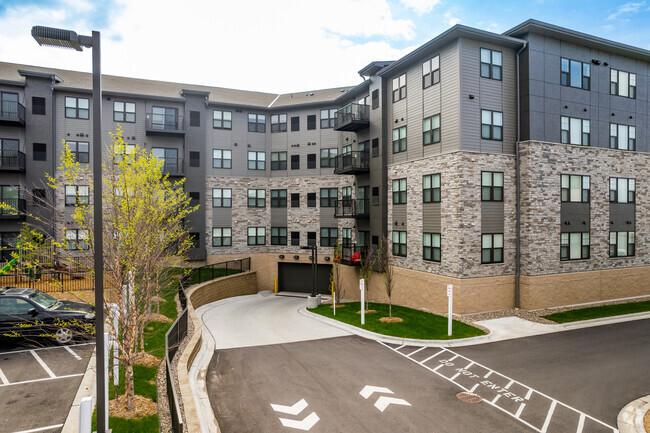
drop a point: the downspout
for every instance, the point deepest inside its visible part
(518, 187)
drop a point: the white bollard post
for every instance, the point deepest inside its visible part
(106, 350)
(85, 414)
(450, 296)
(362, 284)
(116, 351)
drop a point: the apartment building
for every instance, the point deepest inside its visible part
(508, 165)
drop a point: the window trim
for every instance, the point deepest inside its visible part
(256, 236)
(492, 188)
(492, 67)
(258, 198)
(259, 125)
(329, 160)
(565, 76)
(276, 239)
(399, 87)
(432, 247)
(124, 112)
(630, 244)
(432, 194)
(566, 133)
(428, 71)
(614, 183)
(76, 108)
(399, 247)
(330, 121)
(222, 119)
(222, 237)
(278, 163)
(566, 246)
(327, 200)
(222, 158)
(565, 191)
(226, 198)
(278, 201)
(259, 164)
(78, 197)
(614, 84)
(329, 240)
(399, 144)
(492, 248)
(615, 133)
(493, 127)
(399, 194)
(431, 135)
(77, 239)
(277, 125)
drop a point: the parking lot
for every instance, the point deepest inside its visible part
(38, 386)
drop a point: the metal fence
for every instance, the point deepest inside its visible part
(216, 270)
(177, 332)
(49, 280)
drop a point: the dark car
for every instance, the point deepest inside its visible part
(30, 313)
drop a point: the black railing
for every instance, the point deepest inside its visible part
(164, 124)
(12, 112)
(173, 166)
(173, 339)
(352, 208)
(352, 162)
(13, 160)
(352, 117)
(352, 255)
(210, 272)
(14, 208)
(48, 280)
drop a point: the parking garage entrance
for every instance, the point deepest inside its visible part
(296, 277)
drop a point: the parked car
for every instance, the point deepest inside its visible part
(30, 313)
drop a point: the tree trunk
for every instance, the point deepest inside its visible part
(390, 308)
(129, 390)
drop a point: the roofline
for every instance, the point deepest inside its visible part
(35, 74)
(357, 90)
(456, 32)
(13, 83)
(583, 38)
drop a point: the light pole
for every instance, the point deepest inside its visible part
(59, 38)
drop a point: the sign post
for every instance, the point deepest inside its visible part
(450, 297)
(362, 287)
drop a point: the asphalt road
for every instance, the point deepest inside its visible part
(564, 382)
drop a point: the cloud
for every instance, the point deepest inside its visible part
(451, 19)
(421, 7)
(627, 8)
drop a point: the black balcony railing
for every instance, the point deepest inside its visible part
(164, 124)
(353, 162)
(352, 208)
(173, 167)
(353, 117)
(13, 208)
(12, 113)
(12, 160)
(352, 255)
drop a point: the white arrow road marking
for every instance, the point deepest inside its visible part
(305, 425)
(291, 410)
(383, 402)
(368, 390)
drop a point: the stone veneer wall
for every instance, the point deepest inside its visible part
(460, 213)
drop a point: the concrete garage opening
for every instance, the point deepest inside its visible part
(296, 277)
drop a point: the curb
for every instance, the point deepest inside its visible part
(86, 389)
(630, 418)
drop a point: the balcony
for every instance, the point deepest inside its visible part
(17, 209)
(353, 118)
(352, 163)
(164, 125)
(12, 160)
(352, 208)
(12, 114)
(352, 255)
(174, 167)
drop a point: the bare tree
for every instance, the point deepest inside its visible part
(385, 259)
(365, 271)
(335, 274)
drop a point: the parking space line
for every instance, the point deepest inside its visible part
(529, 393)
(432, 356)
(509, 384)
(77, 357)
(548, 416)
(40, 429)
(42, 379)
(42, 348)
(3, 378)
(581, 423)
(520, 410)
(413, 353)
(496, 398)
(43, 364)
(488, 374)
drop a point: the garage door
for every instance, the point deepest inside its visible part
(296, 277)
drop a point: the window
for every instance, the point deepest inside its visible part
(311, 199)
(431, 72)
(124, 112)
(221, 158)
(279, 198)
(346, 237)
(222, 197)
(375, 196)
(621, 190)
(76, 195)
(399, 243)
(431, 188)
(399, 191)
(221, 119)
(257, 122)
(195, 195)
(295, 239)
(278, 235)
(195, 239)
(164, 118)
(256, 160)
(295, 199)
(622, 137)
(575, 188)
(574, 246)
(195, 118)
(79, 150)
(492, 248)
(346, 192)
(256, 198)
(295, 123)
(575, 74)
(311, 239)
(491, 186)
(574, 131)
(375, 99)
(375, 147)
(491, 64)
(328, 197)
(311, 121)
(311, 160)
(399, 139)
(431, 130)
(399, 88)
(279, 123)
(40, 197)
(39, 152)
(172, 164)
(38, 105)
(328, 118)
(328, 236)
(431, 247)
(10, 196)
(295, 162)
(491, 125)
(195, 159)
(76, 108)
(621, 244)
(76, 239)
(221, 236)
(257, 236)
(278, 160)
(346, 150)
(622, 84)
(120, 151)
(328, 157)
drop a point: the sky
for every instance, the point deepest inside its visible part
(282, 46)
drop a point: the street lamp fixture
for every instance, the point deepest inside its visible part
(59, 38)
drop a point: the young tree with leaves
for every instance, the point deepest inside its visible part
(365, 271)
(385, 259)
(335, 273)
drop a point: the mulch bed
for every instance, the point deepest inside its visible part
(143, 407)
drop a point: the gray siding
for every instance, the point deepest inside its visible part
(492, 217)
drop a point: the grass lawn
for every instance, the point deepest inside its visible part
(596, 312)
(416, 324)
